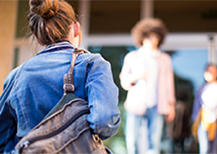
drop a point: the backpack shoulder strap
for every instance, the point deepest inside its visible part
(68, 77)
(68, 84)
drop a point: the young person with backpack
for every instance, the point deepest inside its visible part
(31, 90)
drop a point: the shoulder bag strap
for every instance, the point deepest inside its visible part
(68, 77)
(68, 84)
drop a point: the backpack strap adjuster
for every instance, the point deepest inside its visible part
(68, 88)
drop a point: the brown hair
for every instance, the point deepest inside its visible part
(210, 65)
(146, 26)
(50, 20)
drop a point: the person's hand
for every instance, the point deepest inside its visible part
(135, 78)
(171, 113)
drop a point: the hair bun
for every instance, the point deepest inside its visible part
(44, 8)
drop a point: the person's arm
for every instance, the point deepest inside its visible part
(125, 75)
(127, 79)
(8, 125)
(171, 91)
(7, 121)
(196, 104)
(102, 93)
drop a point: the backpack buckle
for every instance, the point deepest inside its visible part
(68, 88)
(95, 138)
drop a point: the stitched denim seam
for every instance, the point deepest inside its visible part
(22, 109)
(19, 98)
(95, 107)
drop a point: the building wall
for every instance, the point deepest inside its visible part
(108, 23)
(8, 11)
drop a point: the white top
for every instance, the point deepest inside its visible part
(209, 100)
(146, 62)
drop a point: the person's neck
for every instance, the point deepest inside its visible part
(151, 51)
(213, 81)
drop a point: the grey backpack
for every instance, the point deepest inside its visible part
(65, 128)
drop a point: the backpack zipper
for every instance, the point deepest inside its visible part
(32, 140)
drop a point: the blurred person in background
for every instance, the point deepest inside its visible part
(147, 75)
(205, 112)
(180, 128)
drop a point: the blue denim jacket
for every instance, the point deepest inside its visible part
(32, 89)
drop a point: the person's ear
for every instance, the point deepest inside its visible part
(76, 29)
(39, 42)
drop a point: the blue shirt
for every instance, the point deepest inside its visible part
(32, 89)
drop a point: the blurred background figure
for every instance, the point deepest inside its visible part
(150, 70)
(180, 128)
(205, 112)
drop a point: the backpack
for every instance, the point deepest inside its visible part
(65, 128)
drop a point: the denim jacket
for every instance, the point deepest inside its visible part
(32, 89)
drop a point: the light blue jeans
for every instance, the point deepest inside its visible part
(203, 140)
(154, 126)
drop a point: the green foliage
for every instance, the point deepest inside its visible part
(117, 142)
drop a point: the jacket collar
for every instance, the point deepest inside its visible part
(61, 45)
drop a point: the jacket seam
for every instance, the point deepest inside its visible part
(19, 98)
(95, 107)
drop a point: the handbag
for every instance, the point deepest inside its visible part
(65, 128)
(136, 98)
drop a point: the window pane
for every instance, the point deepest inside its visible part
(187, 67)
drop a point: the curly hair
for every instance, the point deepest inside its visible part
(146, 26)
